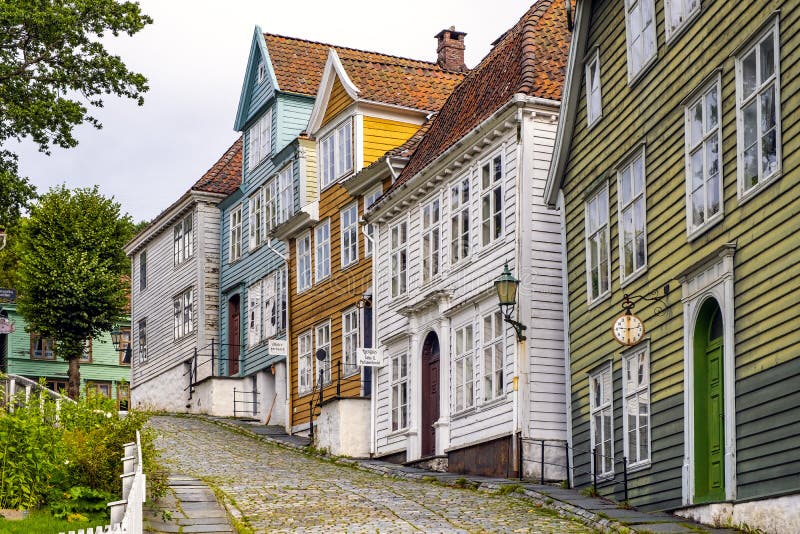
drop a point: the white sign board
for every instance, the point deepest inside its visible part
(370, 357)
(278, 347)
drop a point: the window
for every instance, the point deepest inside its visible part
(270, 192)
(349, 223)
(491, 200)
(304, 262)
(285, 194)
(399, 254)
(257, 219)
(350, 341)
(255, 327)
(758, 112)
(399, 392)
(280, 306)
(598, 265)
(641, 35)
(57, 385)
(123, 396)
(235, 236)
(323, 342)
(494, 355)
(602, 420)
(370, 199)
(124, 343)
(259, 140)
(99, 388)
(463, 345)
(459, 221)
(266, 307)
(143, 270)
(142, 328)
(86, 355)
(183, 244)
(262, 72)
(703, 160)
(42, 348)
(677, 14)
(636, 418)
(632, 217)
(322, 250)
(336, 153)
(304, 368)
(431, 240)
(594, 101)
(182, 314)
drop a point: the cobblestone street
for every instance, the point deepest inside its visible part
(279, 490)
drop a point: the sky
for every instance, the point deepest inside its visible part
(194, 56)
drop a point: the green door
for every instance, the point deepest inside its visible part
(709, 418)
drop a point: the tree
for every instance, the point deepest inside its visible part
(71, 270)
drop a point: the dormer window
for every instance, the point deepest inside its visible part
(259, 142)
(336, 153)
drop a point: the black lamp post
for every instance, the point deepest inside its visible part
(116, 340)
(506, 286)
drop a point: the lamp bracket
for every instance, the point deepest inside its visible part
(657, 295)
(519, 328)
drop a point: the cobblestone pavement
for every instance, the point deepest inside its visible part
(279, 490)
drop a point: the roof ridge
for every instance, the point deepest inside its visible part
(220, 164)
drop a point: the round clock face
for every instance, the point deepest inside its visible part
(628, 329)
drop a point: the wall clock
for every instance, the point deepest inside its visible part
(628, 329)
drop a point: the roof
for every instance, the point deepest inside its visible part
(530, 58)
(299, 65)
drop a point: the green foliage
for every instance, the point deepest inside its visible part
(80, 500)
(42, 521)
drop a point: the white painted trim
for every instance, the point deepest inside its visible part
(639, 152)
(642, 346)
(605, 294)
(646, 63)
(587, 71)
(333, 68)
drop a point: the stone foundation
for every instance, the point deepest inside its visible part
(773, 516)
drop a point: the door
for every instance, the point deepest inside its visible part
(430, 393)
(234, 334)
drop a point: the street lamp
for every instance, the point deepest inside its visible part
(506, 286)
(116, 340)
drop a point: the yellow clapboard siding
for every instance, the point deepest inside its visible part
(382, 135)
(337, 102)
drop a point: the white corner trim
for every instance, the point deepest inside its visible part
(333, 68)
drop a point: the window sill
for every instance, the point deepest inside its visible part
(463, 413)
(636, 78)
(493, 403)
(702, 230)
(745, 196)
(592, 124)
(590, 305)
(635, 275)
(404, 432)
(675, 34)
(639, 466)
(301, 394)
(321, 279)
(487, 249)
(350, 265)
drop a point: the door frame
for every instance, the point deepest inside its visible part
(238, 299)
(425, 361)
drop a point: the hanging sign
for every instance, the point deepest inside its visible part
(8, 294)
(278, 347)
(6, 326)
(370, 357)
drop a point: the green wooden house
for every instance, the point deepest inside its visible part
(676, 173)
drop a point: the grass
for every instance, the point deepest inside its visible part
(41, 521)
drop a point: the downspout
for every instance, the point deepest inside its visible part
(280, 255)
(521, 346)
(373, 396)
(565, 310)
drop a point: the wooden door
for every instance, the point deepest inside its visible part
(430, 393)
(234, 334)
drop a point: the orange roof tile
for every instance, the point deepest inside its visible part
(225, 175)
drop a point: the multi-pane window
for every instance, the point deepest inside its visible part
(280, 307)
(271, 201)
(349, 227)
(143, 270)
(598, 265)
(350, 340)
(459, 221)
(640, 23)
(677, 13)
(632, 217)
(304, 262)
(42, 348)
(183, 240)
(322, 250)
(703, 159)
(285, 194)
(266, 307)
(636, 419)
(124, 343)
(257, 219)
(494, 350)
(491, 200)
(142, 331)
(182, 314)
(431, 240)
(399, 392)
(304, 362)
(254, 308)
(261, 72)
(235, 234)
(463, 356)
(259, 140)
(602, 420)
(758, 112)
(370, 199)
(336, 153)
(399, 253)
(86, 355)
(594, 102)
(323, 343)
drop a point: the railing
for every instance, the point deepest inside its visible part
(245, 402)
(12, 397)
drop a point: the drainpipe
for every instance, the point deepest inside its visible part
(374, 381)
(280, 255)
(521, 346)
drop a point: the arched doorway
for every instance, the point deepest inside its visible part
(709, 416)
(430, 393)
(234, 334)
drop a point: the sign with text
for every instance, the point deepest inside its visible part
(370, 357)
(8, 294)
(6, 326)
(278, 347)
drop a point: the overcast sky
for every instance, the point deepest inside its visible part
(194, 55)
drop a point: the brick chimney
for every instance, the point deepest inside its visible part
(450, 50)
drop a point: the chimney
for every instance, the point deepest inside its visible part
(450, 50)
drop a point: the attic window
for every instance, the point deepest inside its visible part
(262, 72)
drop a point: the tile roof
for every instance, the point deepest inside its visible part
(299, 63)
(225, 175)
(530, 58)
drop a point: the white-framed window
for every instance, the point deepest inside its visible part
(703, 159)
(640, 23)
(142, 334)
(602, 419)
(758, 114)
(183, 240)
(493, 341)
(399, 392)
(259, 140)
(431, 220)
(349, 231)
(598, 244)
(257, 219)
(285, 194)
(279, 309)
(369, 199)
(271, 204)
(594, 100)
(304, 262)
(322, 250)
(464, 366)
(183, 310)
(677, 14)
(349, 341)
(304, 362)
(459, 220)
(491, 200)
(323, 342)
(636, 406)
(261, 72)
(143, 270)
(632, 217)
(336, 153)
(235, 234)
(399, 254)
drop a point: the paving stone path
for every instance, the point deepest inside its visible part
(280, 490)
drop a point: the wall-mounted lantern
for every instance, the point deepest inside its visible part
(506, 286)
